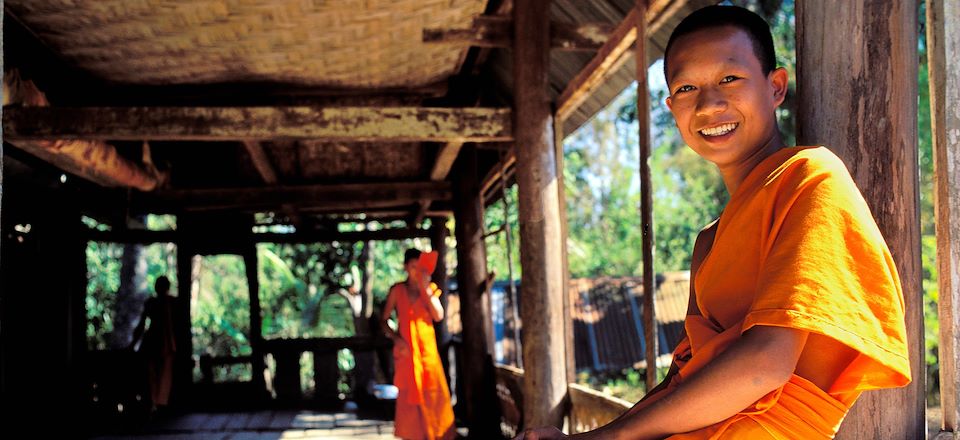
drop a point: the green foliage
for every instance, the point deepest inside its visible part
(103, 282)
(221, 308)
(627, 384)
(496, 244)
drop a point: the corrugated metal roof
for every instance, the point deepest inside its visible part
(607, 316)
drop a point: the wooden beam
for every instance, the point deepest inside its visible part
(855, 62)
(347, 237)
(441, 167)
(269, 175)
(544, 354)
(491, 181)
(445, 158)
(96, 161)
(150, 237)
(497, 32)
(646, 200)
(260, 161)
(609, 58)
(333, 197)
(943, 54)
(340, 124)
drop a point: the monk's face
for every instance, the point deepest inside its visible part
(410, 267)
(723, 103)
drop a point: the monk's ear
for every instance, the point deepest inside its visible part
(779, 81)
(669, 102)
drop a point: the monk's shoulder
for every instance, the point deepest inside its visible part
(809, 162)
(394, 288)
(812, 167)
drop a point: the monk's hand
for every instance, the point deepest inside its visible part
(545, 433)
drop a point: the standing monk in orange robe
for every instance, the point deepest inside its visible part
(423, 403)
(795, 305)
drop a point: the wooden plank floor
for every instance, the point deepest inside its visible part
(262, 425)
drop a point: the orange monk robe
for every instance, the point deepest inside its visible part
(423, 403)
(797, 247)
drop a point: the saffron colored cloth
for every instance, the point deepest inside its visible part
(797, 247)
(423, 410)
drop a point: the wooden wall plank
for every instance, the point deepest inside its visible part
(857, 90)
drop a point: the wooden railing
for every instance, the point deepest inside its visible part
(589, 409)
(510, 394)
(284, 382)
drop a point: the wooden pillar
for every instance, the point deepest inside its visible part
(326, 374)
(251, 265)
(943, 52)
(571, 352)
(286, 379)
(438, 242)
(183, 361)
(646, 198)
(857, 89)
(544, 354)
(478, 379)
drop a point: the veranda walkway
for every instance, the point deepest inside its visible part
(262, 425)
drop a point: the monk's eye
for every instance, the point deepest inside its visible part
(682, 89)
(729, 79)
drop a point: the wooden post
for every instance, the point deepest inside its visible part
(250, 262)
(478, 380)
(544, 354)
(857, 89)
(568, 343)
(438, 241)
(646, 198)
(943, 52)
(183, 361)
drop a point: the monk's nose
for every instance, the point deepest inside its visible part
(710, 101)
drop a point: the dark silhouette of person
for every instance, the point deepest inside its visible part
(158, 345)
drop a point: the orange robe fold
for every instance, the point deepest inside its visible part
(797, 247)
(423, 403)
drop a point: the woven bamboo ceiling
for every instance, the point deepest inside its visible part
(198, 54)
(337, 43)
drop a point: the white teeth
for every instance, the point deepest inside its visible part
(719, 130)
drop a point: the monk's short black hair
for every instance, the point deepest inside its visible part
(410, 254)
(719, 16)
(161, 285)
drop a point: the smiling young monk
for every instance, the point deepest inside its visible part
(795, 306)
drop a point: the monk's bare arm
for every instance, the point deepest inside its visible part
(723, 388)
(388, 307)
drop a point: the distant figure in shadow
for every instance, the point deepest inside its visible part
(423, 410)
(158, 345)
